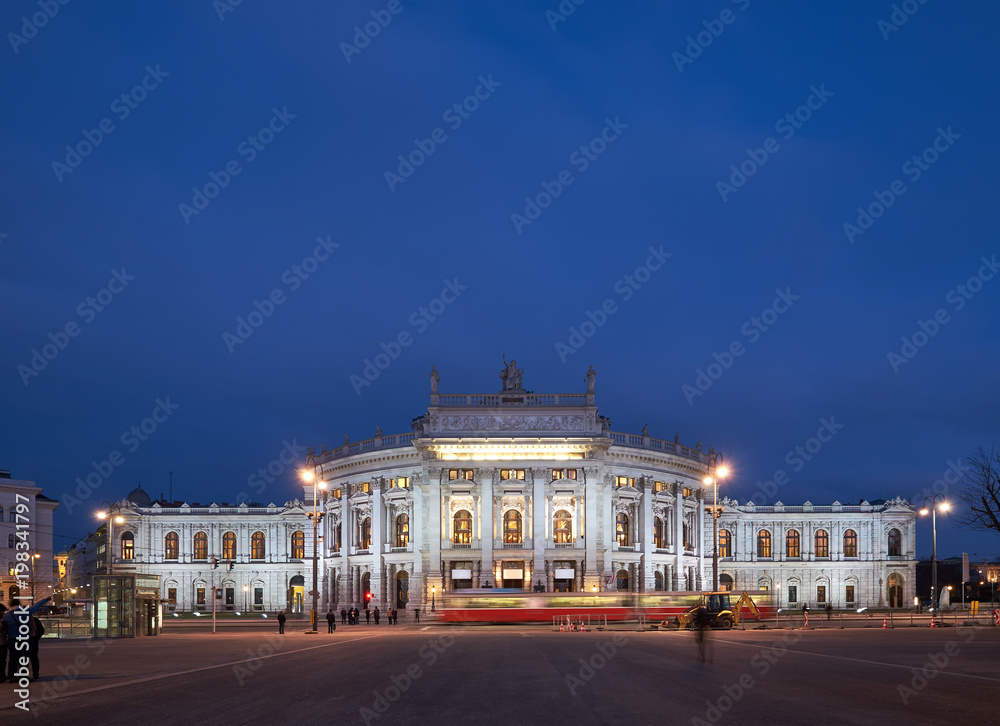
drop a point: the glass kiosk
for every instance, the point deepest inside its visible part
(126, 606)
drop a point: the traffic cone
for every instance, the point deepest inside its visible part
(885, 623)
(560, 627)
(933, 625)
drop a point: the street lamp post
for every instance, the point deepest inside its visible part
(312, 476)
(433, 604)
(717, 472)
(111, 520)
(943, 506)
(246, 589)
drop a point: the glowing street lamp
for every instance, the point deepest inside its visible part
(721, 472)
(106, 515)
(935, 506)
(310, 476)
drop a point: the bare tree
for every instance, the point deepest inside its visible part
(980, 490)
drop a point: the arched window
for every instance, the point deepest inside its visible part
(850, 543)
(365, 540)
(658, 581)
(512, 527)
(462, 532)
(622, 530)
(725, 543)
(257, 548)
(763, 543)
(562, 528)
(621, 580)
(402, 530)
(895, 592)
(792, 544)
(171, 546)
(657, 534)
(200, 546)
(128, 546)
(822, 543)
(895, 543)
(726, 582)
(10, 541)
(298, 545)
(229, 546)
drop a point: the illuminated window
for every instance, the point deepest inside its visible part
(463, 474)
(763, 543)
(199, 596)
(257, 549)
(200, 546)
(402, 530)
(229, 546)
(849, 594)
(511, 474)
(562, 528)
(512, 527)
(686, 492)
(821, 593)
(298, 545)
(624, 481)
(850, 543)
(895, 543)
(822, 543)
(659, 486)
(171, 545)
(335, 493)
(128, 546)
(365, 486)
(725, 543)
(622, 533)
(365, 541)
(726, 582)
(462, 532)
(172, 595)
(564, 473)
(792, 544)
(657, 533)
(401, 482)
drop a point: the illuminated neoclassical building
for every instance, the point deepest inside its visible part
(518, 489)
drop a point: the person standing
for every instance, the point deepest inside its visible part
(37, 630)
(377, 614)
(281, 622)
(11, 622)
(343, 616)
(829, 610)
(416, 614)
(368, 616)
(331, 621)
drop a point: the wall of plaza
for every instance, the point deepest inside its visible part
(514, 489)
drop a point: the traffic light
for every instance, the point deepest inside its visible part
(368, 597)
(230, 565)
(215, 563)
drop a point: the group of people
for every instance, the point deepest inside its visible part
(353, 617)
(10, 624)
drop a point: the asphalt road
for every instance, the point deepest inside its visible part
(502, 675)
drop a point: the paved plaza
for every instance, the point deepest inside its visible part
(431, 674)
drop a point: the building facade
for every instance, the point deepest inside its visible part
(26, 528)
(512, 489)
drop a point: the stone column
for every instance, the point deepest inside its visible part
(700, 542)
(487, 513)
(434, 529)
(678, 533)
(539, 514)
(588, 526)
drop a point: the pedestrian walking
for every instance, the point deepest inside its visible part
(377, 614)
(395, 617)
(701, 624)
(343, 616)
(416, 614)
(331, 621)
(368, 616)
(281, 622)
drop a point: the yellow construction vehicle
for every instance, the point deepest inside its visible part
(719, 609)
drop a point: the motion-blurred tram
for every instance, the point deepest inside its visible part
(517, 606)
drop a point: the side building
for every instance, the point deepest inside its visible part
(25, 529)
(512, 489)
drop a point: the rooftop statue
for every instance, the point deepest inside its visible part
(591, 379)
(435, 377)
(511, 375)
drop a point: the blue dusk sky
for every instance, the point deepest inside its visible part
(760, 223)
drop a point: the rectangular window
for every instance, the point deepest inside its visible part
(850, 594)
(172, 596)
(199, 597)
(454, 474)
(258, 598)
(658, 486)
(512, 474)
(402, 482)
(365, 486)
(686, 492)
(564, 473)
(793, 593)
(624, 481)
(821, 593)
